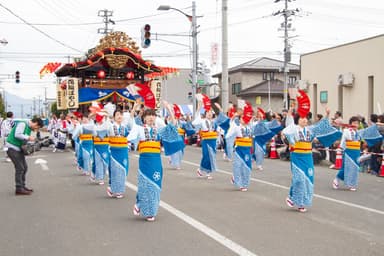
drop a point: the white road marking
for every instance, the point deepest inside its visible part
(361, 207)
(236, 248)
(42, 163)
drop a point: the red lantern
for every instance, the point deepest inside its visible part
(101, 74)
(130, 75)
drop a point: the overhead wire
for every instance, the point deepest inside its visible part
(39, 30)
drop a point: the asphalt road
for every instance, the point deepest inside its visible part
(68, 215)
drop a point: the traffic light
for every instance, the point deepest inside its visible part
(17, 77)
(146, 36)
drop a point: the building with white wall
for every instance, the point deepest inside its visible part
(348, 77)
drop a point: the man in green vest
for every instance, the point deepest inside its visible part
(20, 134)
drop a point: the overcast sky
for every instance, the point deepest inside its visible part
(42, 31)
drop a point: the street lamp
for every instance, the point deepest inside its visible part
(191, 18)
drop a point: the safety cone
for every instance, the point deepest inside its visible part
(185, 139)
(273, 152)
(381, 172)
(339, 159)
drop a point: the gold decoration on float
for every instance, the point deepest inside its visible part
(120, 40)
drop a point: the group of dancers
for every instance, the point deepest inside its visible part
(102, 145)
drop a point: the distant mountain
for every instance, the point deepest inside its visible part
(23, 108)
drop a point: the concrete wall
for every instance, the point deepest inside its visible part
(363, 59)
(175, 89)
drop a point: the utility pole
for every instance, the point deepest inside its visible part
(194, 58)
(224, 56)
(39, 110)
(106, 19)
(286, 26)
(34, 106)
(45, 103)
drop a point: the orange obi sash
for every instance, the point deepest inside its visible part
(208, 135)
(98, 141)
(85, 137)
(181, 131)
(243, 142)
(118, 142)
(302, 147)
(352, 144)
(149, 147)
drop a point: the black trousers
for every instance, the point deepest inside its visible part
(21, 167)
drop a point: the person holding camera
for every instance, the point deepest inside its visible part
(20, 134)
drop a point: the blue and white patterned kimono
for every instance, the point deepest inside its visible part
(242, 158)
(208, 143)
(75, 130)
(119, 161)
(302, 168)
(229, 141)
(86, 147)
(262, 135)
(150, 173)
(102, 153)
(349, 171)
(177, 157)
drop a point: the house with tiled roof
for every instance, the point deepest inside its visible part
(261, 82)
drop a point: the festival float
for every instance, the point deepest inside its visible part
(114, 71)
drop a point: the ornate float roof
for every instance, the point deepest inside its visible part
(116, 53)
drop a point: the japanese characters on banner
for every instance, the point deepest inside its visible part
(60, 96)
(156, 89)
(214, 53)
(72, 94)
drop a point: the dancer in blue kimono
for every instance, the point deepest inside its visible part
(208, 136)
(119, 161)
(242, 159)
(350, 143)
(101, 145)
(150, 173)
(259, 146)
(300, 137)
(176, 158)
(75, 130)
(229, 141)
(86, 150)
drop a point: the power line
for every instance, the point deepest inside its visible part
(39, 30)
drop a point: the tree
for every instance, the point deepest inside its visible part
(55, 111)
(2, 106)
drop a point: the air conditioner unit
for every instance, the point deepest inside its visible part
(346, 79)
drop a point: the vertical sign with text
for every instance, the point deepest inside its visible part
(60, 96)
(156, 89)
(72, 95)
